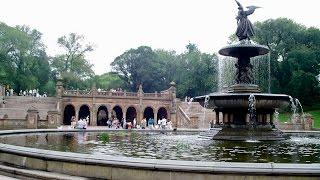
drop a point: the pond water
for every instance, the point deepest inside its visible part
(174, 146)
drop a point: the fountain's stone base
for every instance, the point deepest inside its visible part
(244, 134)
(244, 88)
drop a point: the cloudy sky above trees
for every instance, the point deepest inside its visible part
(115, 26)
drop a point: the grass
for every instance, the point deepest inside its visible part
(314, 110)
(284, 117)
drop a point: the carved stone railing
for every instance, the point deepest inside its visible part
(116, 94)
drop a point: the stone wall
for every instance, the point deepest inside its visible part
(305, 123)
(18, 111)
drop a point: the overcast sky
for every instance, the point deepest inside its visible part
(115, 26)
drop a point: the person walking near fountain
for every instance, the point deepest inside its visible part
(143, 123)
(151, 123)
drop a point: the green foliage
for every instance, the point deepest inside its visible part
(72, 65)
(108, 81)
(104, 137)
(23, 60)
(194, 72)
(295, 57)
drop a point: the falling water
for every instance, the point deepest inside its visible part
(293, 109)
(276, 119)
(302, 113)
(261, 72)
(269, 74)
(226, 72)
(205, 105)
(252, 110)
(252, 117)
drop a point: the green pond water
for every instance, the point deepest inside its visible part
(174, 146)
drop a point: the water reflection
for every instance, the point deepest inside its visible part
(175, 146)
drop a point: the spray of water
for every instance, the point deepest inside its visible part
(252, 110)
(276, 118)
(298, 104)
(293, 109)
(206, 103)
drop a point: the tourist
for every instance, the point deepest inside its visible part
(163, 123)
(124, 123)
(129, 125)
(169, 125)
(80, 124)
(85, 122)
(143, 123)
(134, 122)
(151, 123)
(109, 123)
(73, 122)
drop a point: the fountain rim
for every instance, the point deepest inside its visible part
(243, 95)
(152, 164)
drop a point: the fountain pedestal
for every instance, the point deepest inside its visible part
(238, 122)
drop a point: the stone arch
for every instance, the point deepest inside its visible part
(162, 113)
(102, 115)
(148, 113)
(68, 112)
(117, 112)
(131, 113)
(84, 111)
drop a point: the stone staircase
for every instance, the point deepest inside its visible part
(193, 115)
(16, 107)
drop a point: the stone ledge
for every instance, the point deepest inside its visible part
(25, 157)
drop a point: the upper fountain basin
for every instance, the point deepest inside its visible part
(240, 100)
(244, 49)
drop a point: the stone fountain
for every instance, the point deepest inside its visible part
(235, 119)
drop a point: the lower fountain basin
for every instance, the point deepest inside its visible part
(240, 100)
(73, 159)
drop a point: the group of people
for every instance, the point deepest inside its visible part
(115, 123)
(31, 92)
(82, 123)
(162, 124)
(111, 90)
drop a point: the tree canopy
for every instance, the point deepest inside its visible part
(295, 57)
(194, 72)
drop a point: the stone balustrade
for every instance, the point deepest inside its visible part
(117, 94)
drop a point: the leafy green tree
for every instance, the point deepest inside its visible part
(109, 81)
(24, 62)
(295, 56)
(197, 72)
(72, 65)
(140, 66)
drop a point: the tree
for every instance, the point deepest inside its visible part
(24, 62)
(295, 56)
(140, 66)
(109, 81)
(193, 71)
(196, 72)
(73, 65)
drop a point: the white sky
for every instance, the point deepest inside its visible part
(115, 26)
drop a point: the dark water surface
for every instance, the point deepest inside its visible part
(174, 146)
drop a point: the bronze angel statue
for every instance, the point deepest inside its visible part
(245, 27)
